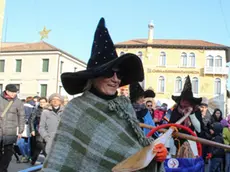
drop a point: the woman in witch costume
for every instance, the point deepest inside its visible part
(194, 121)
(99, 129)
(143, 114)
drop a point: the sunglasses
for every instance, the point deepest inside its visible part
(149, 105)
(110, 73)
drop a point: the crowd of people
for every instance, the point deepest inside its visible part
(209, 126)
(34, 121)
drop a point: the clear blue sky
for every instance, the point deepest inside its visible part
(73, 22)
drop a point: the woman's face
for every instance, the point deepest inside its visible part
(55, 102)
(42, 103)
(217, 114)
(107, 85)
(184, 106)
(140, 100)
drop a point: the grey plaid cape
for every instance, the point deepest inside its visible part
(96, 134)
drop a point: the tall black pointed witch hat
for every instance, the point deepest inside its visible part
(103, 59)
(187, 94)
(149, 93)
(135, 91)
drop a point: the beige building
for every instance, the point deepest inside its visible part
(167, 62)
(36, 68)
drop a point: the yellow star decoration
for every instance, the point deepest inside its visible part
(44, 33)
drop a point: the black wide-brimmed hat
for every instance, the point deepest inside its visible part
(187, 94)
(103, 58)
(135, 91)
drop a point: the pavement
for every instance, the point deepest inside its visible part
(15, 167)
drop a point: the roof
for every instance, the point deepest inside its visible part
(9, 47)
(171, 43)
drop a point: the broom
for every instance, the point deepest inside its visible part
(142, 158)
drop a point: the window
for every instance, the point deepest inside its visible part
(217, 86)
(2, 65)
(18, 65)
(209, 61)
(162, 59)
(61, 67)
(60, 88)
(45, 65)
(43, 90)
(122, 53)
(192, 59)
(161, 84)
(75, 69)
(184, 59)
(195, 85)
(178, 85)
(1, 87)
(218, 61)
(140, 54)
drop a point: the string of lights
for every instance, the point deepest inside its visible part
(224, 18)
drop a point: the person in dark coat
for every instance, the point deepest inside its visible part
(216, 155)
(206, 118)
(34, 126)
(14, 116)
(216, 116)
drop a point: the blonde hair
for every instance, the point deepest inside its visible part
(88, 85)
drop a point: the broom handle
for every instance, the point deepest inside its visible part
(168, 134)
(180, 121)
(190, 137)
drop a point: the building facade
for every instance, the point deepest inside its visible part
(167, 63)
(36, 68)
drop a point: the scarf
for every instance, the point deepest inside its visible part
(138, 107)
(55, 109)
(6, 96)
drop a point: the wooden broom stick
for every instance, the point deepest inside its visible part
(190, 137)
(142, 158)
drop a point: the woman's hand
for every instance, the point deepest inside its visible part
(33, 133)
(161, 152)
(211, 131)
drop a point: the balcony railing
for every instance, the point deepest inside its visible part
(215, 70)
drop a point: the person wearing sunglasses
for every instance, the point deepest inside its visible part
(149, 96)
(99, 129)
(149, 105)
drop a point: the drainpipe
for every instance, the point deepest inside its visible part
(58, 73)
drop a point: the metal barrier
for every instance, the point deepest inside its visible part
(32, 169)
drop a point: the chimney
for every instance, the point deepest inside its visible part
(151, 29)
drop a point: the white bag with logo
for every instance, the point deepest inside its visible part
(26, 132)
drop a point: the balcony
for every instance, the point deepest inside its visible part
(216, 70)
